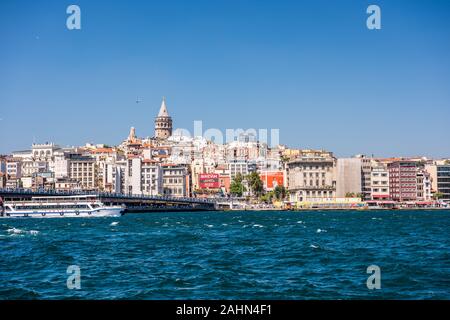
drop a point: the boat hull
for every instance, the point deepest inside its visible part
(102, 212)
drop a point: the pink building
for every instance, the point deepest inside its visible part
(403, 180)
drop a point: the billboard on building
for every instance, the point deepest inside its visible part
(272, 179)
(209, 181)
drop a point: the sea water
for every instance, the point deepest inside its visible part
(229, 255)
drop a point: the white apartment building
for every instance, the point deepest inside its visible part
(113, 177)
(60, 167)
(143, 177)
(30, 167)
(238, 166)
(14, 168)
(44, 152)
(133, 179)
(379, 182)
(424, 185)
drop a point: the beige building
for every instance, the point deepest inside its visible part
(348, 176)
(2, 180)
(310, 177)
(83, 169)
(176, 182)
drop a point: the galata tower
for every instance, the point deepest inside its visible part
(163, 123)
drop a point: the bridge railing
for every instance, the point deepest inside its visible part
(102, 194)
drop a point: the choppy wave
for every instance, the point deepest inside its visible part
(248, 255)
(16, 231)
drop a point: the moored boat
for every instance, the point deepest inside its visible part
(59, 207)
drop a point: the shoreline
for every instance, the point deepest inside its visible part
(339, 209)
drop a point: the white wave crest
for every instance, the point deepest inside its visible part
(14, 231)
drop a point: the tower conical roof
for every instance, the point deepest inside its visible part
(163, 110)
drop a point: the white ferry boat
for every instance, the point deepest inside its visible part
(59, 207)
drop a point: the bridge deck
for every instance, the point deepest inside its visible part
(131, 201)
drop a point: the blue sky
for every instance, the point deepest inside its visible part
(310, 68)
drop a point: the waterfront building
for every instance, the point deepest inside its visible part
(43, 181)
(379, 181)
(176, 180)
(44, 152)
(66, 184)
(366, 174)
(14, 168)
(403, 180)
(133, 176)
(288, 153)
(26, 182)
(2, 180)
(143, 177)
(183, 150)
(423, 185)
(163, 123)
(443, 181)
(310, 177)
(199, 167)
(440, 179)
(3, 165)
(152, 178)
(60, 166)
(22, 154)
(238, 167)
(113, 177)
(211, 150)
(266, 164)
(13, 183)
(241, 150)
(84, 170)
(30, 167)
(349, 176)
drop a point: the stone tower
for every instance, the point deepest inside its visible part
(163, 123)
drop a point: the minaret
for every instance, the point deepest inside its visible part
(163, 122)
(132, 135)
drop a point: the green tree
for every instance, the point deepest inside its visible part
(267, 198)
(349, 195)
(280, 192)
(438, 195)
(237, 188)
(255, 184)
